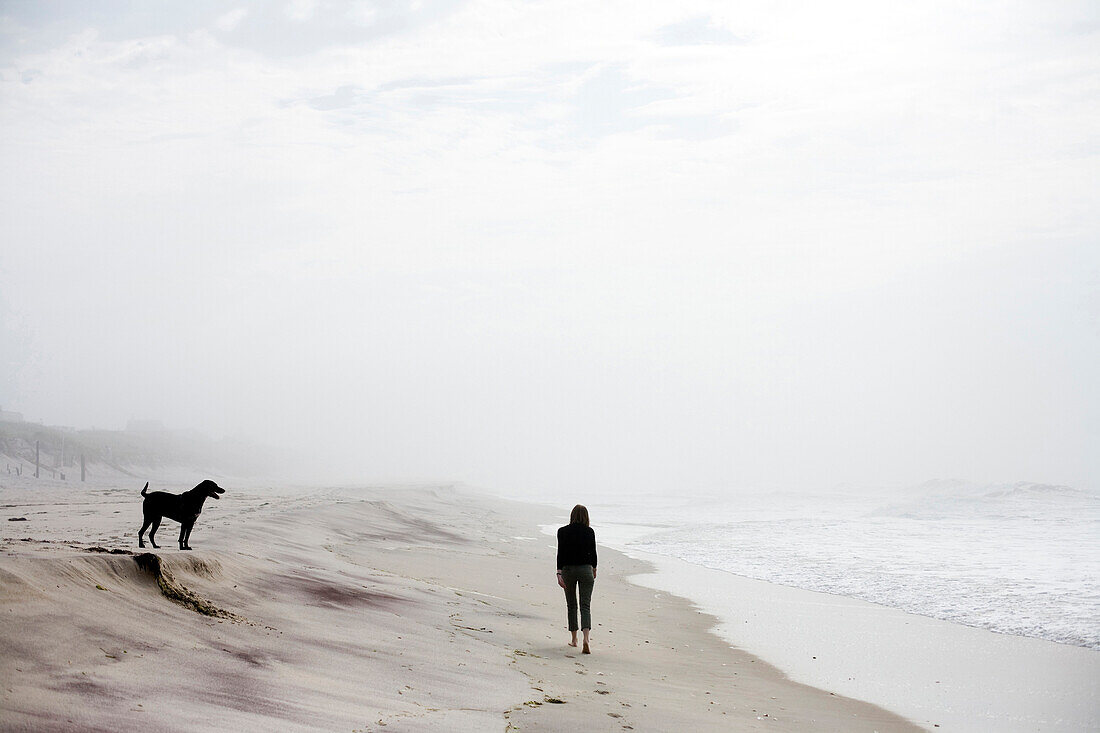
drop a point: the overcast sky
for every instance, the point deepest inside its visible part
(564, 246)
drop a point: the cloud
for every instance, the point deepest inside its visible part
(343, 97)
(701, 30)
(362, 12)
(229, 21)
(608, 101)
(300, 10)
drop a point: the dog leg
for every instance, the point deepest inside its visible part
(153, 532)
(144, 526)
(185, 535)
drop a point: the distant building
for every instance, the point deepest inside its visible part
(6, 416)
(144, 426)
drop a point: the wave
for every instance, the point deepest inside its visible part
(1020, 559)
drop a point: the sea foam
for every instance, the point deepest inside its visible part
(1020, 559)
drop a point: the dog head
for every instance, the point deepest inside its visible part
(209, 488)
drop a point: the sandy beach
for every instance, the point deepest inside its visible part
(386, 608)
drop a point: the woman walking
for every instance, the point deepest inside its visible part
(577, 569)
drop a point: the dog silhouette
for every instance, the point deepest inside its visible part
(184, 508)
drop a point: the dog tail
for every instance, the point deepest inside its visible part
(145, 489)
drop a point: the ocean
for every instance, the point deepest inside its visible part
(1020, 559)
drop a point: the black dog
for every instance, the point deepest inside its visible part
(184, 508)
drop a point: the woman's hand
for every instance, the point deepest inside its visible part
(593, 573)
(560, 581)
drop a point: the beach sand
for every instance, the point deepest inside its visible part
(387, 608)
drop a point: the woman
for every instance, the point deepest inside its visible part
(577, 567)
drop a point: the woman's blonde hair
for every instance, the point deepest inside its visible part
(579, 515)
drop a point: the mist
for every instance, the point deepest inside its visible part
(563, 251)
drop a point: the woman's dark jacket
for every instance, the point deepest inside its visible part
(576, 546)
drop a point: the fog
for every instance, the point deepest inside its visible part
(564, 249)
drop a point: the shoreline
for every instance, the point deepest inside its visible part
(374, 609)
(937, 673)
(932, 671)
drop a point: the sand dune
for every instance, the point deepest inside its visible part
(383, 609)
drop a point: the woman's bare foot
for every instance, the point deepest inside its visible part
(585, 650)
(572, 643)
